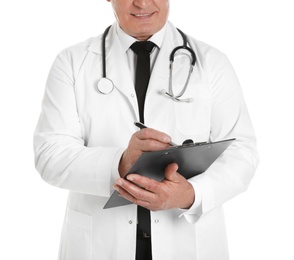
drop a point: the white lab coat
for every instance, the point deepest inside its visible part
(81, 135)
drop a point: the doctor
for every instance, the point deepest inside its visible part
(86, 141)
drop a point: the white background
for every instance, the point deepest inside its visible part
(257, 36)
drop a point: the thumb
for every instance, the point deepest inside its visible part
(171, 172)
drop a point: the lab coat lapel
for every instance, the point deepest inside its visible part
(117, 65)
(119, 72)
(160, 70)
(117, 68)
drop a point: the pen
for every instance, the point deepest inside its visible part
(142, 126)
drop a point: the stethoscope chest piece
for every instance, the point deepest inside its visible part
(105, 86)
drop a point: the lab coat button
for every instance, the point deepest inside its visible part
(156, 221)
(130, 222)
(132, 95)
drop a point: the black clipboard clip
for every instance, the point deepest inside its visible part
(189, 142)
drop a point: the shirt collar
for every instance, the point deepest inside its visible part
(127, 40)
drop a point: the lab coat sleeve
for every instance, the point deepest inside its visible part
(61, 157)
(232, 172)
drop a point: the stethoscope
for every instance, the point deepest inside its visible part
(105, 85)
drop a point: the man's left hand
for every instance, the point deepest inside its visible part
(173, 192)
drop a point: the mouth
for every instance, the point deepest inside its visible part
(143, 15)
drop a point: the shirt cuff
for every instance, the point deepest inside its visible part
(194, 212)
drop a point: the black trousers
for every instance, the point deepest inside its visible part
(143, 247)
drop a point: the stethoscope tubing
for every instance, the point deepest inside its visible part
(110, 86)
(104, 51)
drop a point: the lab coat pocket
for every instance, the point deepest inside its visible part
(193, 118)
(76, 241)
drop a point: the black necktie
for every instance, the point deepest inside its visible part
(142, 49)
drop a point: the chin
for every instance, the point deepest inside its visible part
(145, 32)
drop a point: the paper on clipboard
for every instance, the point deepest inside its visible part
(192, 159)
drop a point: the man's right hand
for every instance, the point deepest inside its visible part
(145, 140)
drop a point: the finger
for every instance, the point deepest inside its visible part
(145, 140)
(153, 135)
(171, 172)
(144, 182)
(129, 197)
(122, 192)
(132, 191)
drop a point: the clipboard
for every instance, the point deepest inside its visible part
(192, 159)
